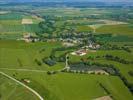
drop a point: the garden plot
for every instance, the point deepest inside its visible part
(27, 21)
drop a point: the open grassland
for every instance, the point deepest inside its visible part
(66, 86)
(10, 90)
(75, 86)
(116, 29)
(84, 29)
(22, 55)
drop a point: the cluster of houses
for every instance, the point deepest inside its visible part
(96, 72)
(29, 38)
(80, 52)
(68, 40)
(92, 46)
(83, 51)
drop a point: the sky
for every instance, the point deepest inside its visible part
(68, 0)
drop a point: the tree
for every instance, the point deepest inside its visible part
(47, 26)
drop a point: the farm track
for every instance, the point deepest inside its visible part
(30, 89)
(28, 70)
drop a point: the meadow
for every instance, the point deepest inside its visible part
(15, 91)
(19, 59)
(21, 55)
(117, 29)
(74, 86)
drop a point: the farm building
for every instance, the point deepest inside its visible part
(81, 52)
(28, 38)
(94, 46)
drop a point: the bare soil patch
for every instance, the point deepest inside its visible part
(104, 98)
(27, 21)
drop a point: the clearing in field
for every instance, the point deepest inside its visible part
(27, 21)
(104, 98)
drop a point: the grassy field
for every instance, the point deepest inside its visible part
(116, 29)
(22, 55)
(84, 29)
(75, 86)
(11, 26)
(61, 86)
(15, 91)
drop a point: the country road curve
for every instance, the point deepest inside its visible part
(30, 89)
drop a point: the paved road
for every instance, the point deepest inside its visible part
(30, 89)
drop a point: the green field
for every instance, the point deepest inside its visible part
(11, 26)
(15, 91)
(20, 55)
(116, 29)
(75, 86)
(31, 60)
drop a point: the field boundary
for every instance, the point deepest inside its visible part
(30, 89)
(27, 70)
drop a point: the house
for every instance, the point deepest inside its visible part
(67, 44)
(28, 38)
(94, 46)
(81, 52)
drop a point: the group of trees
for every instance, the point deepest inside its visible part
(38, 62)
(125, 81)
(130, 73)
(47, 26)
(116, 58)
(49, 61)
(109, 68)
(107, 46)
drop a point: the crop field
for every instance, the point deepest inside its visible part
(116, 29)
(21, 55)
(13, 88)
(14, 25)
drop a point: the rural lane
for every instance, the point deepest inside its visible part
(30, 89)
(28, 70)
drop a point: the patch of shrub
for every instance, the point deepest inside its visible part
(49, 62)
(38, 62)
(130, 73)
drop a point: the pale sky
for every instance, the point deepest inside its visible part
(69, 0)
